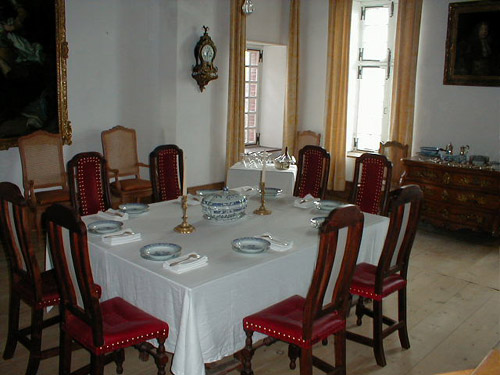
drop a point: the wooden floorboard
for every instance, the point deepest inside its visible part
(453, 304)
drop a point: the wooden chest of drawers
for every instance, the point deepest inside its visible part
(456, 197)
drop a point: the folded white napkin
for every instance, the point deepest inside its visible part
(246, 190)
(111, 214)
(121, 237)
(306, 202)
(277, 244)
(192, 200)
(185, 263)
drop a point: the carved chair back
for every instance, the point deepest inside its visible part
(333, 259)
(371, 183)
(312, 172)
(89, 183)
(166, 163)
(119, 146)
(394, 151)
(404, 212)
(307, 138)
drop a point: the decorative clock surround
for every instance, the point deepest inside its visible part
(204, 52)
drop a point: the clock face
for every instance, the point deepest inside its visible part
(207, 53)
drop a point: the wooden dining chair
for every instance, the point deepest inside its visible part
(395, 152)
(371, 183)
(166, 163)
(89, 183)
(119, 146)
(376, 282)
(312, 172)
(44, 177)
(307, 138)
(27, 282)
(302, 322)
(102, 328)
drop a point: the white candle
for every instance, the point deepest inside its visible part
(184, 185)
(263, 176)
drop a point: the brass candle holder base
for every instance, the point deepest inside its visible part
(262, 210)
(184, 227)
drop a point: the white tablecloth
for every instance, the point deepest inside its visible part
(239, 175)
(205, 307)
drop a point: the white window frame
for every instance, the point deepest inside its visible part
(358, 65)
(257, 96)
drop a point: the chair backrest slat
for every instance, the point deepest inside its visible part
(166, 163)
(334, 260)
(404, 212)
(75, 256)
(15, 237)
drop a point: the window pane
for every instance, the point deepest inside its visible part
(247, 74)
(247, 90)
(371, 107)
(251, 120)
(254, 58)
(247, 57)
(253, 90)
(254, 74)
(246, 105)
(251, 138)
(252, 105)
(375, 33)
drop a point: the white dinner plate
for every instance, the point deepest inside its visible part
(250, 245)
(327, 205)
(133, 208)
(160, 251)
(105, 226)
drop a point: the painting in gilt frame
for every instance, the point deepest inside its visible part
(33, 70)
(473, 44)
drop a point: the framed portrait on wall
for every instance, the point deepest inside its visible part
(473, 44)
(33, 73)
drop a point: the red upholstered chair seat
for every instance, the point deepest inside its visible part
(50, 294)
(132, 184)
(52, 196)
(363, 282)
(284, 320)
(123, 324)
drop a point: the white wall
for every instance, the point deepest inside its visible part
(444, 113)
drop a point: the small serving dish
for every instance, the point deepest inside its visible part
(250, 245)
(317, 221)
(134, 208)
(104, 226)
(160, 251)
(271, 192)
(327, 205)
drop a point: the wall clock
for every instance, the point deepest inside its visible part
(204, 52)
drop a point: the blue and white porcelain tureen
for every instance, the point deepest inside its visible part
(224, 205)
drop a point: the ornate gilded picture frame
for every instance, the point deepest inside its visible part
(33, 70)
(473, 44)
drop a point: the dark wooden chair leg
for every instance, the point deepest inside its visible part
(306, 361)
(360, 310)
(247, 353)
(293, 354)
(161, 357)
(119, 358)
(10, 346)
(97, 364)
(340, 352)
(35, 341)
(378, 340)
(403, 331)
(64, 353)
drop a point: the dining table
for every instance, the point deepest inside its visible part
(241, 175)
(204, 307)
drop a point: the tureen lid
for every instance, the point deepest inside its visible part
(224, 198)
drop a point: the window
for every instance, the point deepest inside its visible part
(252, 88)
(370, 82)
